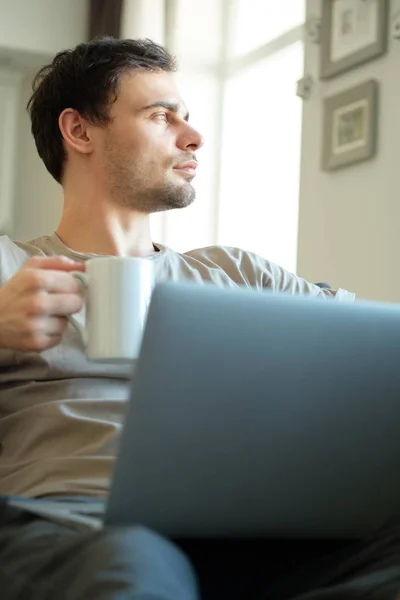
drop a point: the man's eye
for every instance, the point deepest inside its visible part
(161, 116)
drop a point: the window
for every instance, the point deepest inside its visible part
(239, 63)
(257, 22)
(261, 158)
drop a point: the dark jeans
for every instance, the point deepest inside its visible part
(45, 560)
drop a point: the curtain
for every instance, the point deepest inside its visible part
(105, 18)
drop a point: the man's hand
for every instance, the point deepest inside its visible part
(35, 304)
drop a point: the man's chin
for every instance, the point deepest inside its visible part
(174, 197)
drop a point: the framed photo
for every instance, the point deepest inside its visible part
(350, 126)
(352, 32)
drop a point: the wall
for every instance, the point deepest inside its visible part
(10, 83)
(43, 26)
(31, 32)
(350, 219)
(38, 197)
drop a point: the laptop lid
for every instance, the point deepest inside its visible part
(255, 414)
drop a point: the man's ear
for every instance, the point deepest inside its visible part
(75, 131)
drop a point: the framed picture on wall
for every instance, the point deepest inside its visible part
(350, 126)
(352, 32)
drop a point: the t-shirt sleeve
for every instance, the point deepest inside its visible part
(253, 271)
(280, 280)
(12, 258)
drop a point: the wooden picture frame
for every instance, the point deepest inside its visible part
(350, 126)
(353, 32)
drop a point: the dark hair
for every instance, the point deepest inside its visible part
(86, 79)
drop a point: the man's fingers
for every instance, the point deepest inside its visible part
(53, 340)
(55, 326)
(64, 305)
(43, 325)
(60, 283)
(42, 342)
(50, 281)
(62, 263)
(58, 304)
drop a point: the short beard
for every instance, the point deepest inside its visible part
(131, 190)
(168, 197)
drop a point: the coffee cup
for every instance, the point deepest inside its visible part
(117, 293)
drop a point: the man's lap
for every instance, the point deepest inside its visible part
(41, 559)
(45, 560)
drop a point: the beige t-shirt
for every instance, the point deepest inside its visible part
(60, 414)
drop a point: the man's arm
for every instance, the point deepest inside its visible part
(285, 281)
(255, 271)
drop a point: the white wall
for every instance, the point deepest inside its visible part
(37, 197)
(10, 83)
(31, 33)
(43, 26)
(349, 228)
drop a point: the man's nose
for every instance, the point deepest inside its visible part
(191, 139)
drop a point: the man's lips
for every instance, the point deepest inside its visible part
(188, 167)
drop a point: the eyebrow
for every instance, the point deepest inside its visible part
(172, 106)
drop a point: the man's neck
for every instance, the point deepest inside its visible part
(112, 232)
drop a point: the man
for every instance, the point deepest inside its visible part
(111, 128)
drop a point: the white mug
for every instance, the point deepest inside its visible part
(117, 293)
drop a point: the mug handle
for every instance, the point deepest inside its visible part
(82, 279)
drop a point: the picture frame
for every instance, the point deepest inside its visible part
(350, 126)
(353, 32)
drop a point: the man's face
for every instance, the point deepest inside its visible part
(148, 149)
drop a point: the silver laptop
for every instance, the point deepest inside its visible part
(254, 414)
